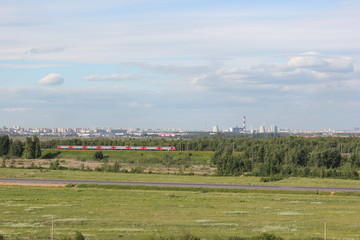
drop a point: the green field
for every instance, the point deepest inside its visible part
(136, 213)
(143, 161)
(26, 213)
(86, 175)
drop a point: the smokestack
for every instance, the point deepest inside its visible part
(244, 124)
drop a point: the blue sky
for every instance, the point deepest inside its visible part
(180, 64)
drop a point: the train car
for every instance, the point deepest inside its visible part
(129, 148)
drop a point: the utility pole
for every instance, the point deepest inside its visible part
(325, 230)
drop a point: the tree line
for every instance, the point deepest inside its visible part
(292, 156)
(28, 149)
(342, 144)
(337, 157)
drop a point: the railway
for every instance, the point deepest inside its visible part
(114, 148)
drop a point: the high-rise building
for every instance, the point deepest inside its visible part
(262, 129)
(215, 129)
(235, 129)
(273, 129)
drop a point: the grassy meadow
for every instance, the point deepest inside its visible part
(26, 213)
(133, 156)
(147, 161)
(154, 213)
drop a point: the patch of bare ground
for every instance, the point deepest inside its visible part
(32, 184)
(157, 168)
(45, 163)
(91, 165)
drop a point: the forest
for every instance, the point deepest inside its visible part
(273, 158)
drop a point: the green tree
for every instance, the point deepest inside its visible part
(4, 145)
(329, 158)
(17, 148)
(355, 159)
(29, 149)
(36, 145)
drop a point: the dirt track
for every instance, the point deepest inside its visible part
(32, 184)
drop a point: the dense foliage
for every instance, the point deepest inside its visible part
(29, 149)
(342, 144)
(291, 156)
(337, 157)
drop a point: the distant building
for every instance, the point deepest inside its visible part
(236, 129)
(215, 129)
(274, 129)
(262, 129)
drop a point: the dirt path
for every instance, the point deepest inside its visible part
(32, 184)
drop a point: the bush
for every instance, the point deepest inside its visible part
(137, 170)
(271, 179)
(3, 165)
(186, 236)
(79, 236)
(98, 155)
(266, 236)
(66, 238)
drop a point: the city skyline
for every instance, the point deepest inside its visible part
(170, 64)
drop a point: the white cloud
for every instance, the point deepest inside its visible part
(16, 109)
(113, 77)
(30, 66)
(317, 61)
(309, 59)
(52, 79)
(45, 50)
(309, 72)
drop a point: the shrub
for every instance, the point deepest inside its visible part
(186, 236)
(3, 165)
(271, 179)
(236, 238)
(98, 155)
(79, 236)
(266, 236)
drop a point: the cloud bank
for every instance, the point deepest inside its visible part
(15, 109)
(310, 71)
(113, 77)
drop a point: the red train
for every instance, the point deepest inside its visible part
(134, 148)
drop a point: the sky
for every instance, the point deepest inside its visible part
(180, 63)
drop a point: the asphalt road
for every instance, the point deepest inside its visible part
(196, 185)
